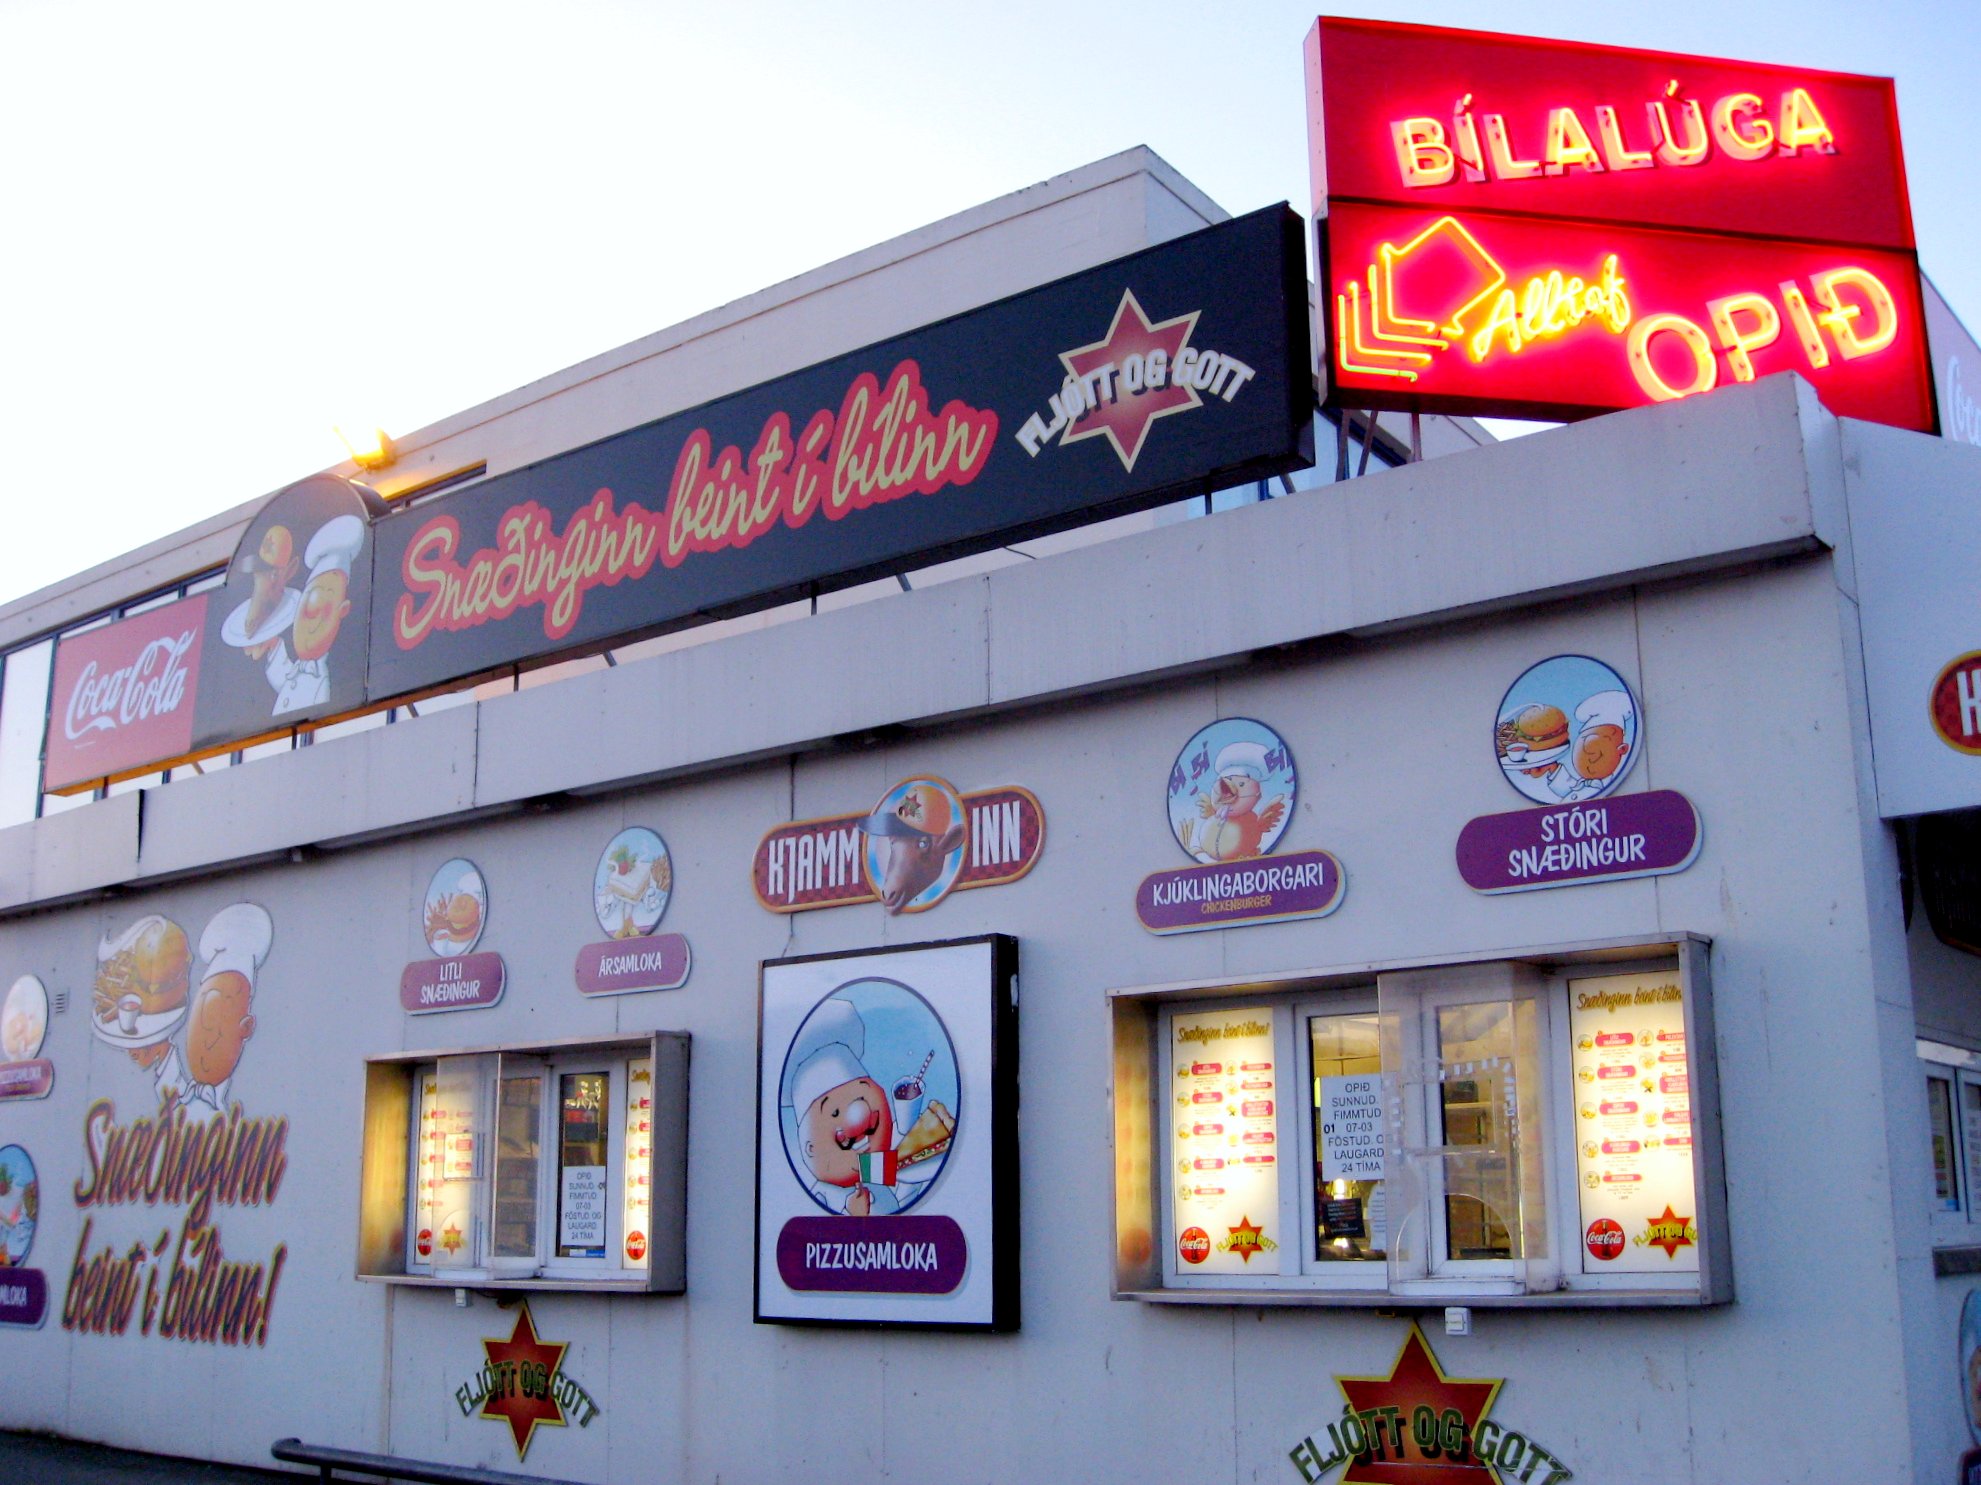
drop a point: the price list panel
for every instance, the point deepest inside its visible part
(1224, 1142)
(1633, 1126)
(637, 1225)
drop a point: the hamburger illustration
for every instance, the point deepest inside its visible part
(1533, 737)
(144, 972)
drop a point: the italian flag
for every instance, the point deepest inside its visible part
(879, 1169)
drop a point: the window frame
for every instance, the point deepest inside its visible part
(1958, 1225)
(390, 1199)
(1549, 1273)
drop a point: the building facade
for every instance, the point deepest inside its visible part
(1533, 822)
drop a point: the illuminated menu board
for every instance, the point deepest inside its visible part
(444, 1208)
(638, 1211)
(1224, 1142)
(1633, 1127)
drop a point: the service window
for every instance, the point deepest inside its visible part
(1541, 1130)
(528, 1167)
(1953, 1122)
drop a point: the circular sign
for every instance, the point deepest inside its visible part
(870, 1100)
(1194, 1246)
(424, 1243)
(24, 1019)
(1567, 731)
(1605, 1239)
(1955, 704)
(915, 839)
(632, 884)
(456, 908)
(636, 1246)
(1970, 1362)
(20, 1205)
(1231, 791)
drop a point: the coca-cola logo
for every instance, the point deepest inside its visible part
(152, 685)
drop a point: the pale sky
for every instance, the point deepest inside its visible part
(232, 226)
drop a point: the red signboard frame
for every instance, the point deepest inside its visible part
(124, 695)
(1757, 216)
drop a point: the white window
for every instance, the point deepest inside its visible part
(1475, 1132)
(1953, 1118)
(558, 1167)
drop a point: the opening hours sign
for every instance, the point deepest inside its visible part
(1554, 229)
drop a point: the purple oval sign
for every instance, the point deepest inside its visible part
(873, 1255)
(1265, 889)
(656, 961)
(1625, 835)
(471, 982)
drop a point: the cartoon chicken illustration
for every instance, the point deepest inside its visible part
(1233, 820)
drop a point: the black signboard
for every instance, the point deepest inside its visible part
(1175, 370)
(285, 637)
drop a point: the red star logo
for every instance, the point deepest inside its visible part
(522, 1395)
(1669, 1231)
(1416, 1381)
(1245, 1238)
(1124, 420)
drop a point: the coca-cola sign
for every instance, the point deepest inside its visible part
(123, 695)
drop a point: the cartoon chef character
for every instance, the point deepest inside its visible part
(1601, 753)
(201, 1065)
(842, 1125)
(1234, 824)
(301, 676)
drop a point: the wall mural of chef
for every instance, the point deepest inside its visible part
(286, 634)
(182, 1010)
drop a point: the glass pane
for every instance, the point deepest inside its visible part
(23, 711)
(1633, 1125)
(1479, 1113)
(1939, 1112)
(581, 1139)
(518, 1152)
(1223, 1142)
(1970, 1129)
(639, 1160)
(1350, 1212)
(444, 1233)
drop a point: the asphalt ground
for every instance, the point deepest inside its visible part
(36, 1459)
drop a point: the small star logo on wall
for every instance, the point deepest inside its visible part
(1417, 1384)
(522, 1384)
(527, 1366)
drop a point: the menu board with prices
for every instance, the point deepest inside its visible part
(1633, 1127)
(444, 1211)
(1224, 1142)
(638, 1205)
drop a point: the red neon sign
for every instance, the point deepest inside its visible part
(1557, 229)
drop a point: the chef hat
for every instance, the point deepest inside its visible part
(237, 938)
(335, 545)
(1611, 707)
(1248, 758)
(825, 1053)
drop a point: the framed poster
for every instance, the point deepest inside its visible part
(887, 1137)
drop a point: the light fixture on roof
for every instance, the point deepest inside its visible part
(370, 450)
